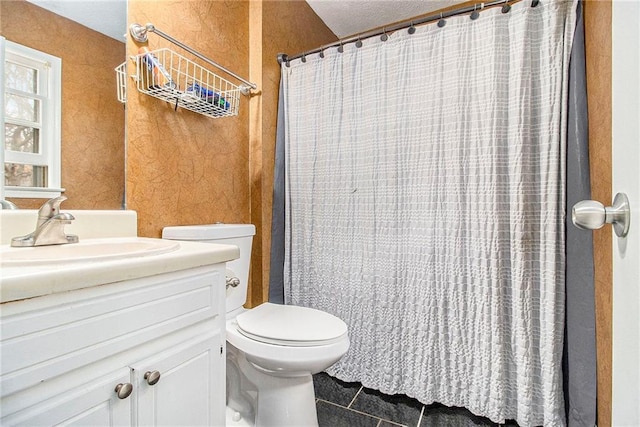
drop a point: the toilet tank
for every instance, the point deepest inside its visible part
(240, 235)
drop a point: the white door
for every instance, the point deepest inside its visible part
(183, 386)
(626, 179)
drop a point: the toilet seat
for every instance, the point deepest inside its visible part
(291, 326)
(285, 357)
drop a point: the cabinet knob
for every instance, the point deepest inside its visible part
(124, 390)
(152, 377)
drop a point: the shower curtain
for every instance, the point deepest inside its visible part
(425, 206)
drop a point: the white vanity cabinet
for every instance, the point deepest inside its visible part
(158, 339)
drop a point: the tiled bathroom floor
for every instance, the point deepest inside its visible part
(341, 404)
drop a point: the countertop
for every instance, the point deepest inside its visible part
(21, 282)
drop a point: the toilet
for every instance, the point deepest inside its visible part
(272, 350)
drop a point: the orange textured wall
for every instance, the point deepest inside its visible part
(183, 167)
(92, 118)
(289, 27)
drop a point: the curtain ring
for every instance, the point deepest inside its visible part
(442, 22)
(534, 3)
(507, 7)
(304, 57)
(359, 42)
(411, 29)
(475, 14)
(341, 48)
(321, 53)
(384, 37)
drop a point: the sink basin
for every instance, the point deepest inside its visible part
(91, 250)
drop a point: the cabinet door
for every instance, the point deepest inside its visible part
(94, 404)
(190, 390)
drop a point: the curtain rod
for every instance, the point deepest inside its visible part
(474, 10)
(139, 34)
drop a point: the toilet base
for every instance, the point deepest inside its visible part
(280, 401)
(287, 402)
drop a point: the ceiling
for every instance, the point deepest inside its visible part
(349, 17)
(343, 17)
(105, 16)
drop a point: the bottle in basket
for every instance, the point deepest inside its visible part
(157, 77)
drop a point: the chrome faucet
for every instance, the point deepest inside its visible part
(50, 227)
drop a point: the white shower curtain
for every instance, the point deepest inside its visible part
(425, 207)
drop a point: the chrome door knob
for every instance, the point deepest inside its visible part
(152, 377)
(232, 281)
(124, 390)
(588, 215)
(591, 215)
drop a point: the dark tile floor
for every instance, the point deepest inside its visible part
(341, 404)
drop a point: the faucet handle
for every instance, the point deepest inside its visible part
(51, 207)
(6, 204)
(50, 227)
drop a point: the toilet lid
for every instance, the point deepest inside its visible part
(291, 325)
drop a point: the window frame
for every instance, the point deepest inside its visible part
(50, 118)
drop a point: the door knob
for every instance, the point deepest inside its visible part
(591, 215)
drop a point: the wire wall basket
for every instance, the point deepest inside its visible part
(121, 82)
(171, 77)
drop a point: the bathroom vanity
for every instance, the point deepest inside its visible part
(133, 339)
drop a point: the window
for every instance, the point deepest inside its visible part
(31, 119)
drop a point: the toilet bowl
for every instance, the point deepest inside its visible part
(272, 350)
